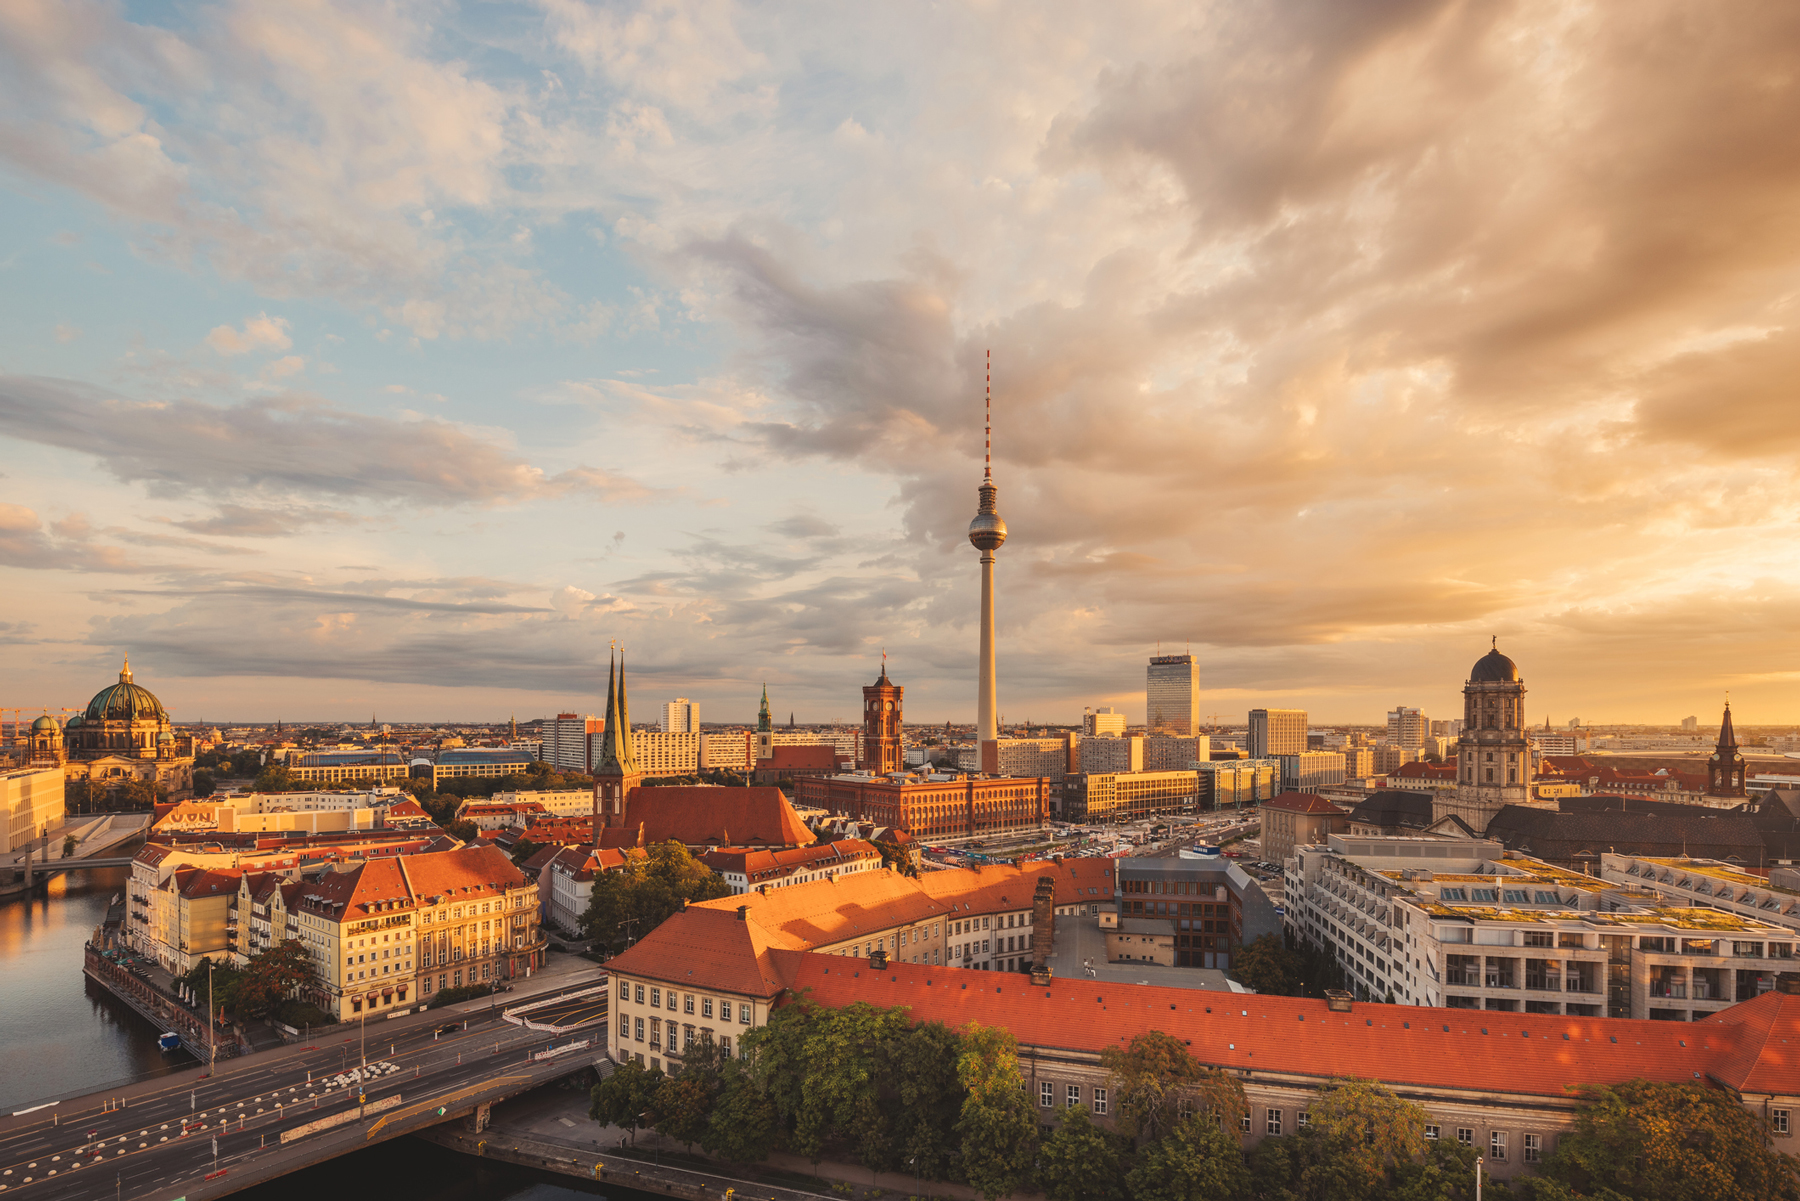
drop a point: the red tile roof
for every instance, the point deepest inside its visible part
(700, 816)
(762, 866)
(1301, 802)
(800, 758)
(705, 948)
(1420, 770)
(1754, 1046)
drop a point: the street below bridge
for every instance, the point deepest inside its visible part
(156, 1140)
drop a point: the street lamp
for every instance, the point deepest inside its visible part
(1478, 1178)
(212, 1041)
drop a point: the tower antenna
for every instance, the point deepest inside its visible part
(987, 454)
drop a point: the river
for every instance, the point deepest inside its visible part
(62, 1034)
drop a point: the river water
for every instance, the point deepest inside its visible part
(60, 1034)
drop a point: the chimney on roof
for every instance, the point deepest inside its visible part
(878, 960)
(1788, 982)
(742, 911)
(1043, 928)
(1337, 1000)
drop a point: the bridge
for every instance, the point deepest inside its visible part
(98, 838)
(196, 1135)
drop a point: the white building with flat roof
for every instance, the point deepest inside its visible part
(681, 716)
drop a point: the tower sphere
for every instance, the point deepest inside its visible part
(987, 531)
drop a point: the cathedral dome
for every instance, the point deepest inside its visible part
(1494, 668)
(125, 701)
(44, 723)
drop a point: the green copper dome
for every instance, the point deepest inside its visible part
(125, 701)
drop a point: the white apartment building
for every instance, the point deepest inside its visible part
(1310, 771)
(566, 741)
(1046, 757)
(1097, 723)
(1463, 924)
(1407, 726)
(680, 716)
(1172, 696)
(1276, 732)
(731, 751)
(560, 802)
(736, 750)
(1112, 753)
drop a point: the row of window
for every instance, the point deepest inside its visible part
(690, 1035)
(1071, 1096)
(687, 1002)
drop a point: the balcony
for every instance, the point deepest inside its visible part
(1668, 988)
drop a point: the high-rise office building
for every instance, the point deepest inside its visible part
(1276, 732)
(680, 716)
(1172, 695)
(1097, 723)
(1407, 726)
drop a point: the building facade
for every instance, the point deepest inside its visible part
(348, 767)
(1204, 910)
(1128, 796)
(1276, 732)
(663, 754)
(125, 733)
(1111, 753)
(1098, 723)
(1492, 754)
(1310, 771)
(1407, 726)
(1298, 819)
(1237, 783)
(935, 807)
(565, 739)
(31, 801)
(1175, 753)
(680, 716)
(746, 869)
(1172, 696)
(1501, 1092)
(1462, 924)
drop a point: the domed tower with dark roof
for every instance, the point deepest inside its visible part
(1492, 756)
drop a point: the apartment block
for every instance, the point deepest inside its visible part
(1112, 753)
(1126, 796)
(1096, 723)
(1276, 732)
(565, 739)
(1310, 770)
(680, 716)
(1462, 924)
(1407, 726)
(1237, 783)
(1176, 754)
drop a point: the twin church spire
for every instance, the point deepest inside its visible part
(616, 755)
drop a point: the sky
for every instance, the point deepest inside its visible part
(402, 359)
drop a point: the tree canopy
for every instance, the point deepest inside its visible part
(628, 903)
(1155, 1081)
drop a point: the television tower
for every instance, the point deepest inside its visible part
(987, 532)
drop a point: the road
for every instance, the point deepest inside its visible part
(161, 1143)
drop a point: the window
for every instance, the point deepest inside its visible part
(1533, 1149)
(1302, 1120)
(1465, 1136)
(656, 998)
(744, 1014)
(1244, 1122)
(1046, 1094)
(639, 1027)
(1497, 1145)
(705, 1007)
(1074, 1096)
(1100, 1103)
(687, 1004)
(624, 1026)
(1272, 1122)
(640, 994)
(1778, 1119)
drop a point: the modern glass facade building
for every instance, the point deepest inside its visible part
(1172, 695)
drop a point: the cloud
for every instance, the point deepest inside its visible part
(286, 446)
(67, 333)
(260, 332)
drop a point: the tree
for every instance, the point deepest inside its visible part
(68, 845)
(779, 1064)
(629, 903)
(682, 1105)
(271, 976)
(1674, 1141)
(999, 1133)
(743, 1126)
(1195, 1161)
(1080, 1162)
(1156, 1080)
(1369, 1136)
(1267, 965)
(275, 778)
(1447, 1174)
(204, 784)
(624, 1098)
(920, 1086)
(525, 849)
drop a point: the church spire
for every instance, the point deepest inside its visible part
(764, 722)
(125, 670)
(1725, 770)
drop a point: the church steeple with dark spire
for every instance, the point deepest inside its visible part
(1725, 770)
(617, 773)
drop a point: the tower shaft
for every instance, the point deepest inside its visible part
(988, 700)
